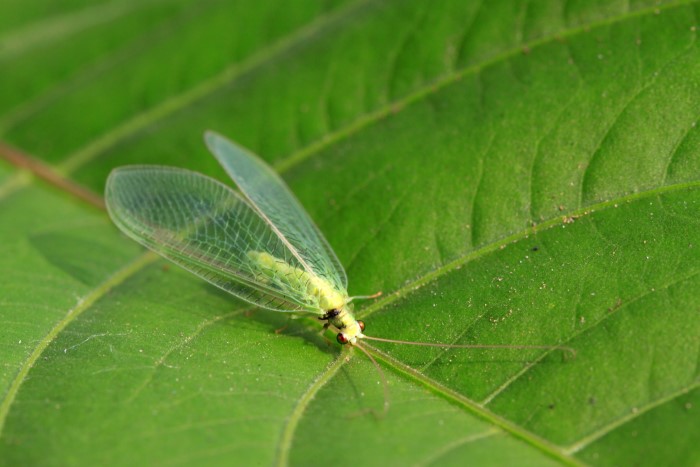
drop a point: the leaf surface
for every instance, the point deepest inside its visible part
(506, 173)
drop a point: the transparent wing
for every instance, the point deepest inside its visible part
(275, 202)
(207, 228)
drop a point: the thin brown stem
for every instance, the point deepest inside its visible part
(39, 169)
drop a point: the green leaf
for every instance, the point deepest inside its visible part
(505, 172)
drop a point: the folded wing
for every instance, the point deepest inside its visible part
(207, 228)
(271, 197)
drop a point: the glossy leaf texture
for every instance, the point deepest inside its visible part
(505, 172)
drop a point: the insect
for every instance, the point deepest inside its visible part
(260, 244)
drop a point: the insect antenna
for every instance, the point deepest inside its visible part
(385, 384)
(570, 350)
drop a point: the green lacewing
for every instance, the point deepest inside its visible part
(259, 243)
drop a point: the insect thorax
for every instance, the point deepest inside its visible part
(317, 291)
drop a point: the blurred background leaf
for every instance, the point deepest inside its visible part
(506, 172)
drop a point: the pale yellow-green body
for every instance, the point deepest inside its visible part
(321, 294)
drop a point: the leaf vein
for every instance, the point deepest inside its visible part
(634, 414)
(84, 304)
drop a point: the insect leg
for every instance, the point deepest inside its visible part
(365, 297)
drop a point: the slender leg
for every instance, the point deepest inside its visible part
(365, 297)
(283, 328)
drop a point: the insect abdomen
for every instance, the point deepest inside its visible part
(268, 268)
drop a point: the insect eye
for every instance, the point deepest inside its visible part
(362, 325)
(341, 338)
